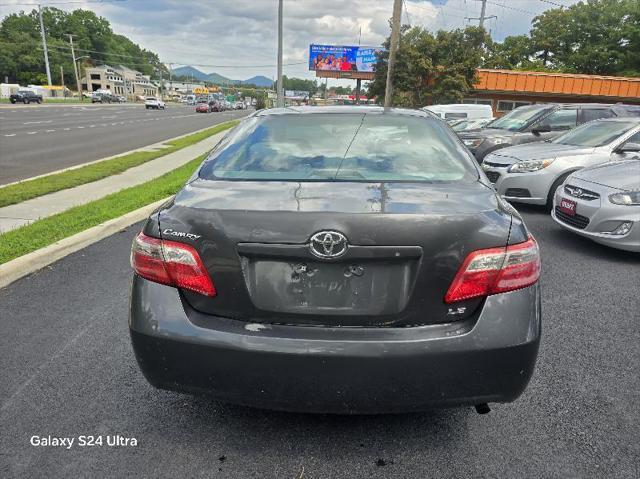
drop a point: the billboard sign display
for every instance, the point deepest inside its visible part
(341, 58)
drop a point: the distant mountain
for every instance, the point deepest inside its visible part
(259, 80)
(190, 72)
(216, 78)
(219, 79)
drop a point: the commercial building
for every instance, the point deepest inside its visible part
(505, 90)
(119, 80)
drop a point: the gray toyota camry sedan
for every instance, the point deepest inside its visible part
(344, 260)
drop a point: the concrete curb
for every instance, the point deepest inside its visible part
(36, 260)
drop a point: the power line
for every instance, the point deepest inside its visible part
(553, 3)
(60, 47)
(515, 9)
(66, 2)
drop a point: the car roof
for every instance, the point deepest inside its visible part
(618, 119)
(344, 109)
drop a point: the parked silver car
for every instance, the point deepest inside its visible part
(603, 204)
(531, 173)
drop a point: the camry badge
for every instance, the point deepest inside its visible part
(328, 244)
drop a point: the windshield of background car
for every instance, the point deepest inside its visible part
(341, 147)
(519, 118)
(595, 133)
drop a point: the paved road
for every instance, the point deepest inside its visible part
(68, 369)
(39, 139)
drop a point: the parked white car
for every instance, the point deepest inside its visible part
(459, 111)
(154, 103)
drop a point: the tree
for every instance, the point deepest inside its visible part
(298, 84)
(600, 37)
(593, 37)
(431, 68)
(21, 56)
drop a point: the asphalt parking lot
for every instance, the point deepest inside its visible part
(38, 139)
(68, 369)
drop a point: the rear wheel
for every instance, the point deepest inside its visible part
(13, 101)
(25, 101)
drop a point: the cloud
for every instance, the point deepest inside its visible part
(237, 38)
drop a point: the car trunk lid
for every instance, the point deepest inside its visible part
(406, 242)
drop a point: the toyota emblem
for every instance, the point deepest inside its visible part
(328, 244)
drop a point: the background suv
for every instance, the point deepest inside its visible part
(537, 123)
(26, 97)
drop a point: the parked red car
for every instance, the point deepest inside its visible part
(203, 108)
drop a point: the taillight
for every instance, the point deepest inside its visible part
(171, 263)
(496, 270)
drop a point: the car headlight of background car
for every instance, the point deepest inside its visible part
(529, 166)
(631, 198)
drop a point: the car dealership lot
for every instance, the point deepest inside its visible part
(68, 370)
(38, 139)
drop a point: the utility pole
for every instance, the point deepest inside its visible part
(75, 67)
(44, 45)
(62, 80)
(482, 13)
(395, 38)
(482, 16)
(280, 92)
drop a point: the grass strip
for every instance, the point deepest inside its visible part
(41, 233)
(28, 189)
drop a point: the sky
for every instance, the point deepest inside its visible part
(238, 38)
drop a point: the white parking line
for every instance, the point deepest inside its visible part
(49, 131)
(31, 132)
(36, 122)
(12, 134)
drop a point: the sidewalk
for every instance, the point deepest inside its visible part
(15, 216)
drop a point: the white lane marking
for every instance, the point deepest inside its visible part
(67, 129)
(49, 131)
(80, 127)
(92, 126)
(36, 122)
(114, 123)
(12, 134)
(31, 132)
(108, 117)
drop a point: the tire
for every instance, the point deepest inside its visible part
(25, 101)
(146, 107)
(13, 101)
(38, 101)
(552, 190)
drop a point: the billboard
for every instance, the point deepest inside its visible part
(341, 58)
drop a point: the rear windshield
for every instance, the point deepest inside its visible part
(595, 133)
(340, 147)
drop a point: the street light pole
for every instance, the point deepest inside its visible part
(44, 45)
(395, 37)
(280, 93)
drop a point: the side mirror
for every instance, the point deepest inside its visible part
(541, 129)
(629, 148)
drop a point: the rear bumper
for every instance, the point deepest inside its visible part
(337, 370)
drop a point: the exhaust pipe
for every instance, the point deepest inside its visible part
(483, 408)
